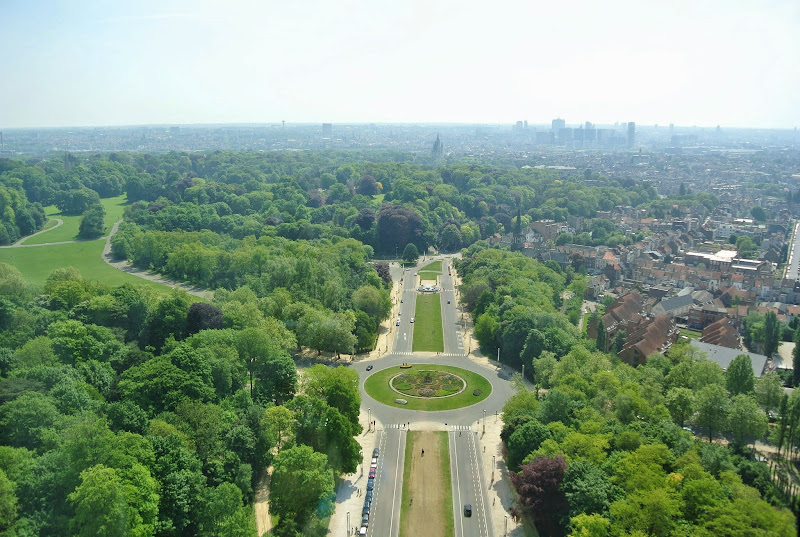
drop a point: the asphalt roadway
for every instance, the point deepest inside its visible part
(468, 482)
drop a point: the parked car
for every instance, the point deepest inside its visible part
(397, 323)
(412, 319)
(370, 483)
(372, 474)
(376, 452)
(369, 367)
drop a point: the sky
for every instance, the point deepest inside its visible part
(734, 63)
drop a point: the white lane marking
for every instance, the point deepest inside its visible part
(479, 484)
(457, 508)
(396, 481)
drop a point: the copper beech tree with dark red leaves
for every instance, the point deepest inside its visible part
(538, 484)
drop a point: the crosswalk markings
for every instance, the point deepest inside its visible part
(460, 428)
(462, 353)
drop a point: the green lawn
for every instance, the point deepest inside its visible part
(428, 324)
(68, 231)
(377, 386)
(37, 263)
(691, 334)
(428, 276)
(434, 265)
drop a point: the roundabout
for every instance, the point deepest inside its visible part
(427, 387)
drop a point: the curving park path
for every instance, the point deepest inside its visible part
(146, 274)
(119, 265)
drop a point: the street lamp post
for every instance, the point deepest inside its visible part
(484, 421)
(369, 419)
(506, 530)
(493, 465)
(348, 523)
(523, 373)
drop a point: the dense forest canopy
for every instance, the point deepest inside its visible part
(169, 409)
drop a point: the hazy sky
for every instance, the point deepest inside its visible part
(81, 62)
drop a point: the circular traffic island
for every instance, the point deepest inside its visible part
(427, 387)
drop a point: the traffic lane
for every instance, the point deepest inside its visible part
(469, 485)
(384, 518)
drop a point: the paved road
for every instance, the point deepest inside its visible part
(793, 269)
(384, 517)
(469, 485)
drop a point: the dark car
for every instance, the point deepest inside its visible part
(371, 484)
(448, 301)
(369, 368)
(365, 520)
(376, 452)
(467, 509)
(368, 497)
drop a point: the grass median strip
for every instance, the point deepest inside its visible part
(428, 324)
(427, 505)
(434, 265)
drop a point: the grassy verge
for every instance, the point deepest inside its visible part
(68, 231)
(428, 276)
(434, 265)
(428, 328)
(377, 386)
(410, 518)
(37, 263)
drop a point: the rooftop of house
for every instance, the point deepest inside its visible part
(725, 355)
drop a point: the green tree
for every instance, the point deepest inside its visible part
(410, 253)
(739, 377)
(92, 223)
(619, 341)
(524, 440)
(588, 489)
(601, 335)
(590, 526)
(278, 423)
(168, 318)
(302, 483)
(772, 333)
(712, 407)
(680, 403)
(374, 302)
(745, 419)
(8, 505)
(769, 390)
(337, 386)
(759, 214)
(653, 512)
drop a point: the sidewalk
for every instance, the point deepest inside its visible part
(347, 498)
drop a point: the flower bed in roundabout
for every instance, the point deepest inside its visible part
(427, 387)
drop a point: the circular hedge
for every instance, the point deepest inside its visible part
(476, 390)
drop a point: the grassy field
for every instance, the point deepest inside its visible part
(427, 505)
(691, 334)
(428, 276)
(37, 263)
(428, 328)
(435, 265)
(377, 386)
(69, 230)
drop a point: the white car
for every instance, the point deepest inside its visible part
(412, 319)
(363, 530)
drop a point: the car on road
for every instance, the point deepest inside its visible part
(448, 301)
(365, 520)
(369, 367)
(368, 497)
(397, 323)
(467, 509)
(374, 461)
(365, 510)
(375, 452)
(412, 319)
(372, 474)
(363, 530)
(370, 483)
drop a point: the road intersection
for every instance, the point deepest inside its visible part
(468, 482)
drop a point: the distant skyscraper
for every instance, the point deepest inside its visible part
(558, 124)
(438, 149)
(631, 133)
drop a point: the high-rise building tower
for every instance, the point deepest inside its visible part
(558, 124)
(631, 133)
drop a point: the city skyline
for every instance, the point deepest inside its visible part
(180, 62)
